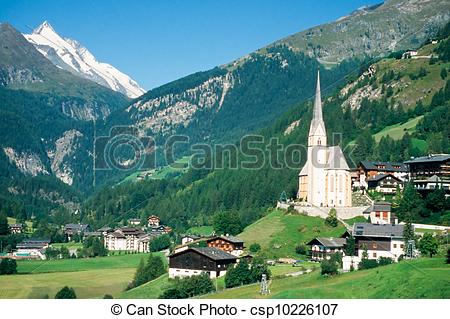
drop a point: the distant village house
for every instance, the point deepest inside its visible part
(128, 239)
(16, 228)
(380, 213)
(230, 244)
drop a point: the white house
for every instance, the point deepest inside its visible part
(380, 213)
(322, 247)
(129, 239)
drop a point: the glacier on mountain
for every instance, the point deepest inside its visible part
(70, 55)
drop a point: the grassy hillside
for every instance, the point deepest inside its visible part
(279, 232)
(150, 290)
(397, 131)
(423, 278)
(175, 169)
(154, 288)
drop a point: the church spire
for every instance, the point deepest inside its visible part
(318, 101)
(317, 132)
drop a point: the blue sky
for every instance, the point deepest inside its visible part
(159, 41)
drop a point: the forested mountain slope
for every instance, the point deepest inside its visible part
(245, 194)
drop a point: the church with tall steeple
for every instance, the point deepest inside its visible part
(325, 179)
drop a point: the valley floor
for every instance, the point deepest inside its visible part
(90, 277)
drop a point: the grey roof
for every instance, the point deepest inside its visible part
(230, 239)
(389, 166)
(16, 226)
(379, 177)
(375, 230)
(379, 207)
(331, 242)
(92, 234)
(33, 243)
(76, 226)
(191, 236)
(127, 231)
(430, 159)
(213, 253)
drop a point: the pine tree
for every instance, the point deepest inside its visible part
(332, 220)
(4, 229)
(66, 293)
(443, 73)
(408, 232)
(283, 197)
(139, 277)
(350, 246)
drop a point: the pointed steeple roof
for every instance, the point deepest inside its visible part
(318, 101)
(317, 119)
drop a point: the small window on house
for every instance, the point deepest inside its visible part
(401, 246)
(374, 255)
(395, 245)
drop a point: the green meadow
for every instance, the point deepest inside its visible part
(90, 277)
(422, 278)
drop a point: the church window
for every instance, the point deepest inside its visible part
(332, 183)
(340, 183)
(319, 142)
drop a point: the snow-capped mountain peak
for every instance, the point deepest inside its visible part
(70, 55)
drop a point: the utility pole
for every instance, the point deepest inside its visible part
(94, 155)
(264, 285)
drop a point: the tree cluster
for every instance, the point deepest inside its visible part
(147, 271)
(244, 273)
(8, 266)
(331, 266)
(160, 243)
(189, 287)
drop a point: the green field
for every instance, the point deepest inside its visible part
(278, 233)
(397, 131)
(90, 277)
(201, 230)
(80, 264)
(423, 278)
(87, 284)
(28, 223)
(357, 219)
(179, 167)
